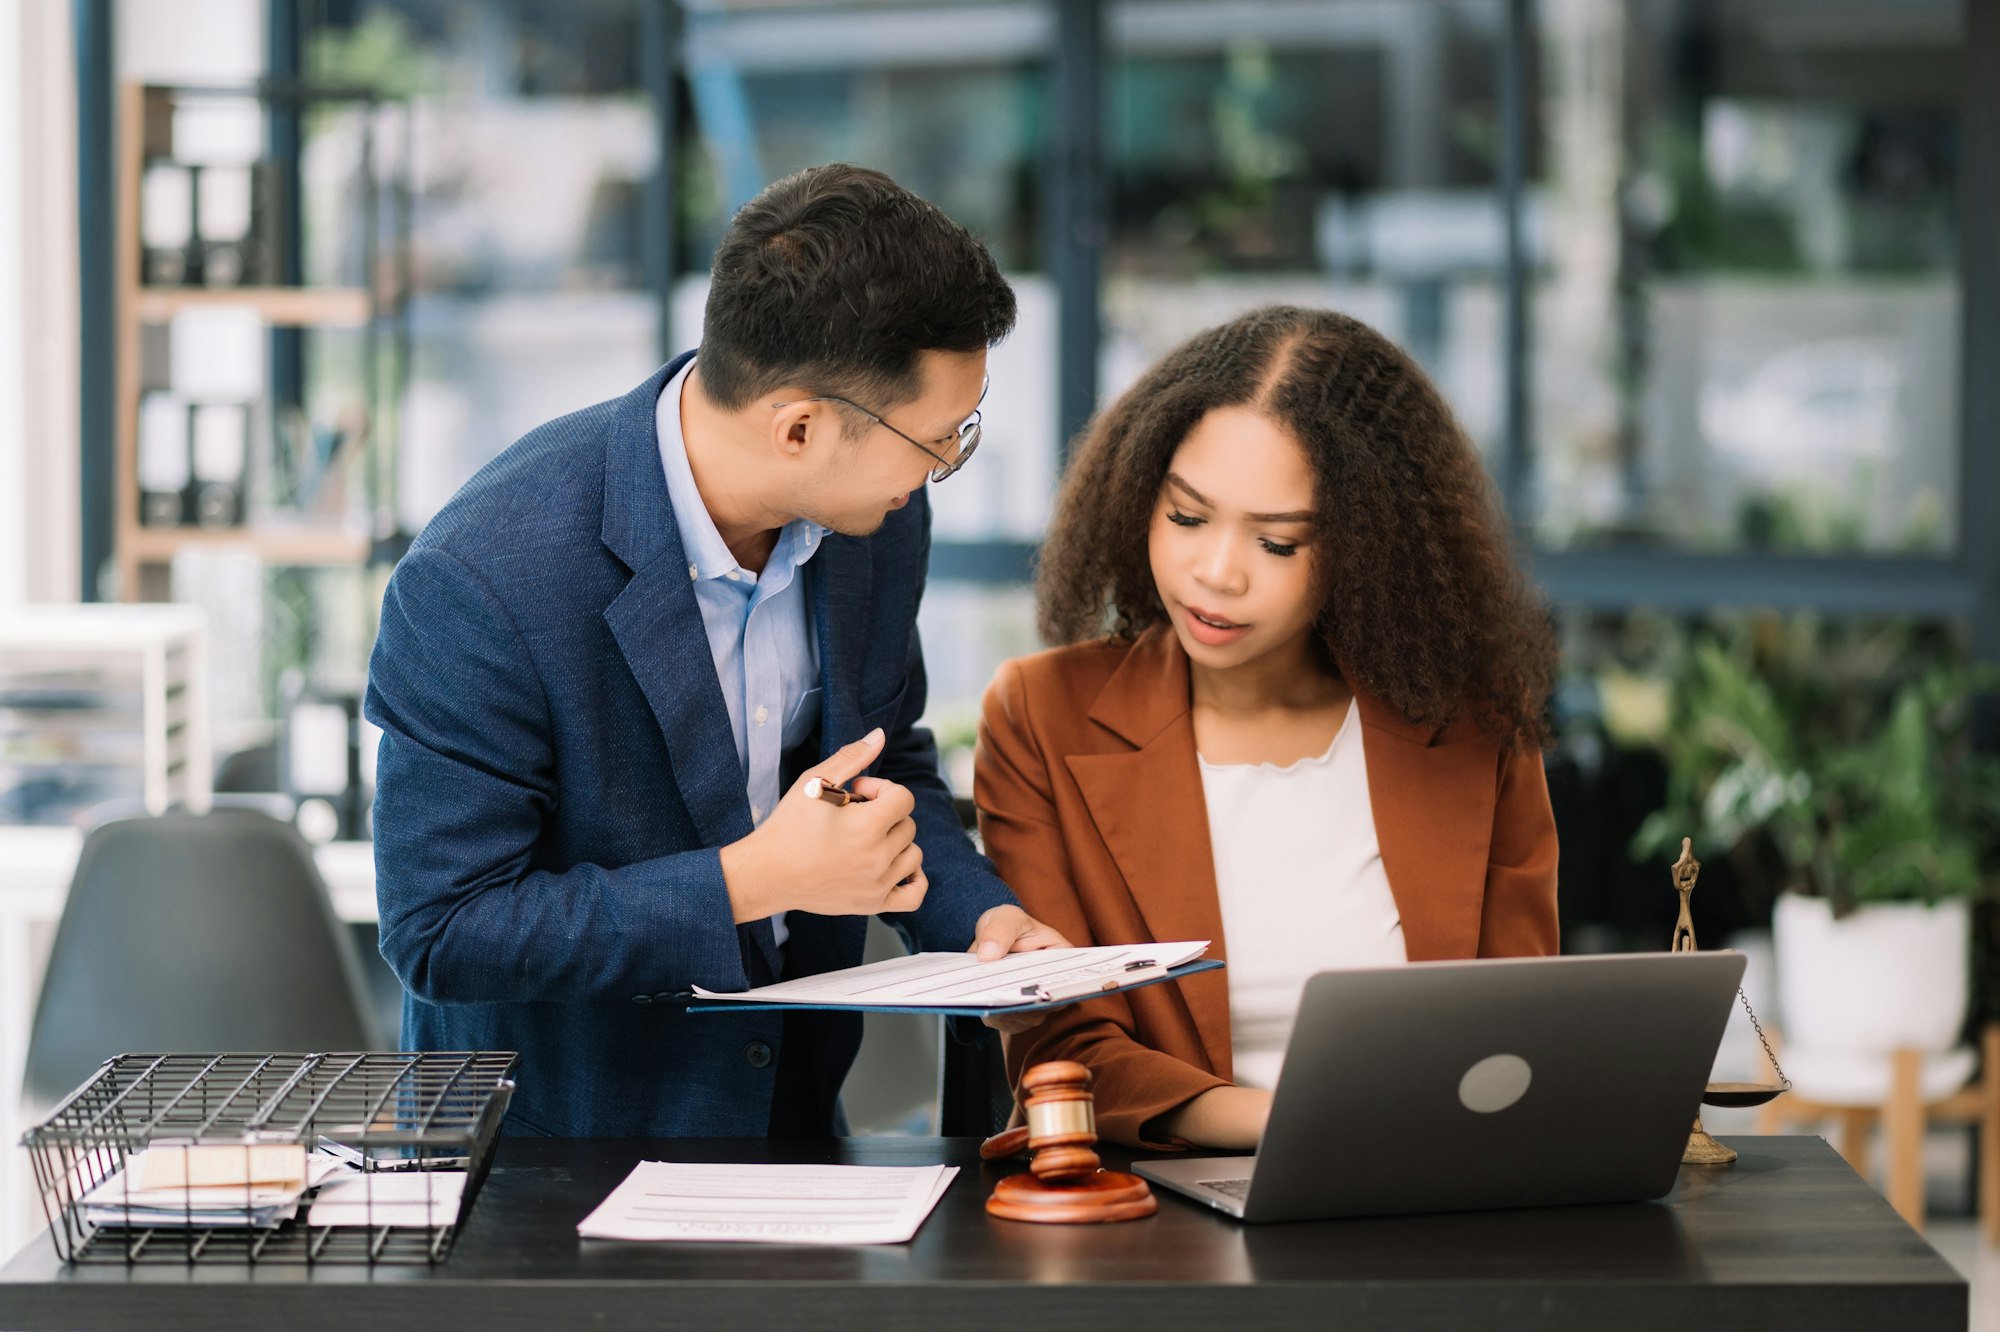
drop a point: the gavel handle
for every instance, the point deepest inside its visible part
(1007, 1142)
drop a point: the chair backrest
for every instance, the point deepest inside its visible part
(975, 1099)
(194, 932)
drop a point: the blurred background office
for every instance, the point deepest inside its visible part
(1715, 287)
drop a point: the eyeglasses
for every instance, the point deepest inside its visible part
(962, 445)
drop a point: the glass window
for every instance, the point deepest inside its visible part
(1746, 310)
(1338, 154)
(968, 630)
(949, 100)
(530, 145)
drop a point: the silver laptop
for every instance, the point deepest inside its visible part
(1455, 1086)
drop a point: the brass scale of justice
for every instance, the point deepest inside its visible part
(1703, 1149)
(1066, 1185)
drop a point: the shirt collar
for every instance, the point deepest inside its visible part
(707, 553)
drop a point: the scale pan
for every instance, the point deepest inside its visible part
(1736, 1095)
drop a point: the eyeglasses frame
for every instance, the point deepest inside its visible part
(967, 437)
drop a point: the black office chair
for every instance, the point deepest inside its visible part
(254, 769)
(194, 932)
(975, 1099)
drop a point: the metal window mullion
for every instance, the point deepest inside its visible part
(1979, 284)
(1677, 581)
(992, 563)
(284, 143)
(96, 194)
(1077, 221)
(1516, 82)
(660, 61)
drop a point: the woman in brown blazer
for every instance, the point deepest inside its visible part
(1316, 717)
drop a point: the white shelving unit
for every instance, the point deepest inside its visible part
(103, 703)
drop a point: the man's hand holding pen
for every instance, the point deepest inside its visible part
(840, 844)
(812, 855)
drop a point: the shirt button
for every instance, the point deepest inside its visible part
(757, 1054)
(731, 575)
(763, 714)
(693, 573)
(756, 813)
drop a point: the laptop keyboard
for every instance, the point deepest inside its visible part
(1238, 1189)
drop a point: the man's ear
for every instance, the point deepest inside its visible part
(795, 426)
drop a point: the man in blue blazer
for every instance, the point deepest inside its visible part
(609, 665)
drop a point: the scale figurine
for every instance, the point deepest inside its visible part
(1701, 1148)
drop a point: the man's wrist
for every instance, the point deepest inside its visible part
(748, 881)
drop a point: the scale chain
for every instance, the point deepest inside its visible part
(1764, 1040)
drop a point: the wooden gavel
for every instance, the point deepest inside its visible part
(1066, 1183)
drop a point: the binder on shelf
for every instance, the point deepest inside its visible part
(165, 459)
(217, 130)
(321, 763)
(166, 222)
(224, 212)
(221, 444)
(216, 353)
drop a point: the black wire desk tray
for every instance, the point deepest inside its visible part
(415, 1118)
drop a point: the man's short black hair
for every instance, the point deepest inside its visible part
(833, 280)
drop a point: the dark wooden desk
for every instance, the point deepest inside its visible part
(1788, 1238)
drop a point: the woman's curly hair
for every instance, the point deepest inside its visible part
(1424, 602)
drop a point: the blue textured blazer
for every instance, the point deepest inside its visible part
(557, 773)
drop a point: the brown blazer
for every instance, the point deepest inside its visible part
(1090, 803)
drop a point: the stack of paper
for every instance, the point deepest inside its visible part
(417, 1198)
(169, 1167)
(779, 1204)
(153, 1189)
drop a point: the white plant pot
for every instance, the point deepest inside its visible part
(1890, 976)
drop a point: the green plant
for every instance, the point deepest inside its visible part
(1858, 785)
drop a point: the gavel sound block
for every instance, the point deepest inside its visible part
(1066, 1184)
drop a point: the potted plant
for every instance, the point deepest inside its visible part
(1846, 767)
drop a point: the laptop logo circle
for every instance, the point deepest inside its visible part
(1494, 1083)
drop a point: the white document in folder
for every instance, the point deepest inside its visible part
(773, 1204)
(961, 980)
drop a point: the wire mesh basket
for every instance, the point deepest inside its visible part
(271, 1158)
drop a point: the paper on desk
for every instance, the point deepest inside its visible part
(774, 1204)
(418, 1198)
(961, 980)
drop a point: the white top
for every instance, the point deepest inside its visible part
(1299, 874)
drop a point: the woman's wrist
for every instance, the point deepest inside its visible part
(1228, 1118)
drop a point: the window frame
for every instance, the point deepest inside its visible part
(1964, 585)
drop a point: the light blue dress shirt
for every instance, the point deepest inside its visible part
(759, 624)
